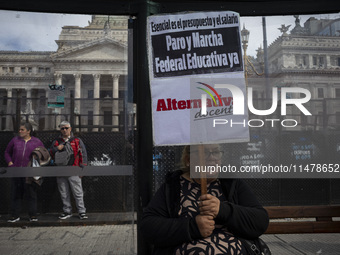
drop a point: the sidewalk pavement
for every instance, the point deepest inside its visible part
(74, 240)
(83, 237)
(101, 233)
(52, 219)
(298, 244)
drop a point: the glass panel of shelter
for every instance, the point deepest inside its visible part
(88, 56)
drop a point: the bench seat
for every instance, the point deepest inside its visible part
(303, 219)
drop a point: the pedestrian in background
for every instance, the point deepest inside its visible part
(69, 184)
(17, 154)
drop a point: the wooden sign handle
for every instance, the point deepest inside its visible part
(202, 175)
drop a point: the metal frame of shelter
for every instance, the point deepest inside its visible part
(140, 10)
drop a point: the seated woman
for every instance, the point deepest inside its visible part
(179, 220)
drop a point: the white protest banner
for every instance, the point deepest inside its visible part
(195, 56)
(56, 96)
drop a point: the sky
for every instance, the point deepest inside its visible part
(254, 25)
(25, 31)
(28, 31)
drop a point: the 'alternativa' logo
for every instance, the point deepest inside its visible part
(204, 97)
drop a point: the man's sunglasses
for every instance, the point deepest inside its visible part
(63, 128)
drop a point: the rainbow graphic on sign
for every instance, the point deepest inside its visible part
(210, 94)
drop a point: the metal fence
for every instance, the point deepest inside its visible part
(265, 147)
(298, 147)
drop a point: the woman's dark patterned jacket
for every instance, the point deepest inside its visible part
(162, 227)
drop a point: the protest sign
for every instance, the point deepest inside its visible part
(191, 56)
(56, 96)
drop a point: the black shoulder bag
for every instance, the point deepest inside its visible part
(256, 246)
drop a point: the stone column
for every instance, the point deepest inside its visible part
(58, 78)
(96, 95)
(314, 94)
(330, 91)
(9, 124)
(115, 103)
(312, 91)
(57, 111)
(47, 112)
(328, 63)
(310, 61)
(77, 93)
(29, 107)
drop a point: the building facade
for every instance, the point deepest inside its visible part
(307, 57)
(91, 62)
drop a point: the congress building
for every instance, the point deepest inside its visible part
(91, 64)
(307, 57)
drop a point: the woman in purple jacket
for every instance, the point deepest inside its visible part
(18, 154)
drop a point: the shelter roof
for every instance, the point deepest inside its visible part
(133, 7)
